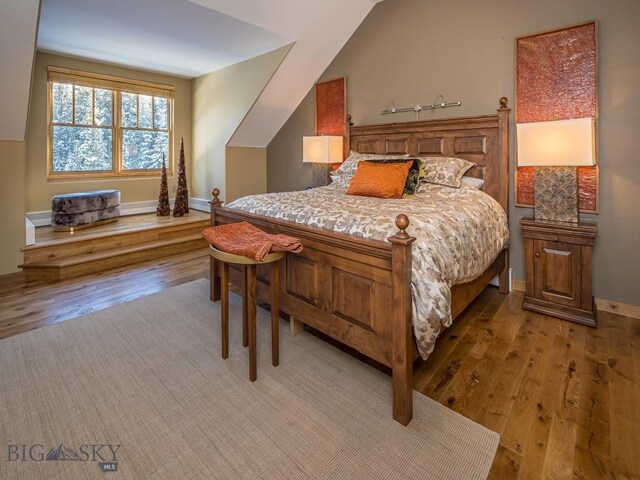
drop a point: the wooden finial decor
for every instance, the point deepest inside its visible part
(402, 237)
(181, 206)
(215, 201)
(503, 102)
(402, 222)
(163, 209)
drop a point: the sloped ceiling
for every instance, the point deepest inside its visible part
(180, 37)
(18, 28)
(176, 37)
(320, 29)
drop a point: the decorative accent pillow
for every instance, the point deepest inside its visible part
(379, 179)
(348, 167)
(473, 182)
(445, 170)
(416, 172)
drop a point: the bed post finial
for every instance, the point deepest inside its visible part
(402, 222)
(216, 202)
(503, 102)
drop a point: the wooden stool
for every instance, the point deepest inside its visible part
(249, 304)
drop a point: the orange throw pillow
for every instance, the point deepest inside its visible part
(381, 180)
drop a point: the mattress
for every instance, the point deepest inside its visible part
(459, 232)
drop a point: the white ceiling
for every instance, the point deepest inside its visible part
(187, 38)
(320, 29)
(177, 37)
(18, 28)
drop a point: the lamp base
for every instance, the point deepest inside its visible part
(321, 174)
(556, 194)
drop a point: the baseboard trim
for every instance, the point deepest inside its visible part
(200, 204)
(39, 219)
(43, 218)
(520, 286)
(30, 234)
(617, 308)
(602, 304)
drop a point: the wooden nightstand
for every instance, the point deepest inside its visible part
(558, 262)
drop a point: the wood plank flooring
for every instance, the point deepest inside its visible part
(564, 398)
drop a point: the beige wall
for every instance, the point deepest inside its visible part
(221, 100)
(12, 229)
(412, 50)
(246, 169)
(40, 190)
(285, 170)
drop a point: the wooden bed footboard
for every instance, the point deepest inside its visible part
(357, 291)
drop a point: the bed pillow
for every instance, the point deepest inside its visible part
(347, 169)
(416, 172)
(379, 179)
(473, 182)
(445, 170)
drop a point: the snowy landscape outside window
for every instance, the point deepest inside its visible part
(103, 126)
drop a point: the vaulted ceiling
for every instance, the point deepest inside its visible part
(320, 29)
(177, 37)
(186, 38)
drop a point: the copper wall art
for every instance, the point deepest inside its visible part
(331, 107)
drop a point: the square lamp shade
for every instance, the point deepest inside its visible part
(322, 149)
(556, 148)
(558, 143)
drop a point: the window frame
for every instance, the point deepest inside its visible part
(117, 85)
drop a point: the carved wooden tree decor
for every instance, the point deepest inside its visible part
(181, 206)
(163, 200)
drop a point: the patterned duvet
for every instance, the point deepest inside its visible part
(459, 233)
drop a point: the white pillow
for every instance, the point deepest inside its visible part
(473, 182)
(446, 171)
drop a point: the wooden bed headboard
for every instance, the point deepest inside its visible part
(483, 140)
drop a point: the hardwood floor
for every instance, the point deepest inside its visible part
(25, 305)
(564, 398)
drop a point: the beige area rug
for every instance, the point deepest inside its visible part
(147, 375)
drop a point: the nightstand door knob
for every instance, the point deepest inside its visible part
(555, 239)
(537, 254)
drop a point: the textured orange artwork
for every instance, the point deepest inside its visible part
(556, 79)
(524, 186)
(330, 107)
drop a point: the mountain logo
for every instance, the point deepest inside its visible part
(62, 453)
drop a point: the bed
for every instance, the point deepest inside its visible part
(354, 280)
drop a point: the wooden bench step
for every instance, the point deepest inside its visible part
(74, 266)
(73, 246)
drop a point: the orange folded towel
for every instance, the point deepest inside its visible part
(244, 239)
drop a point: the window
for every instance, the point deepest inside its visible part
(104, 126)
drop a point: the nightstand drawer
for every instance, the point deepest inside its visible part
(558, 272)
(561, 237)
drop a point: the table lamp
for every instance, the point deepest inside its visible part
(555, 148)
(322, 151)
